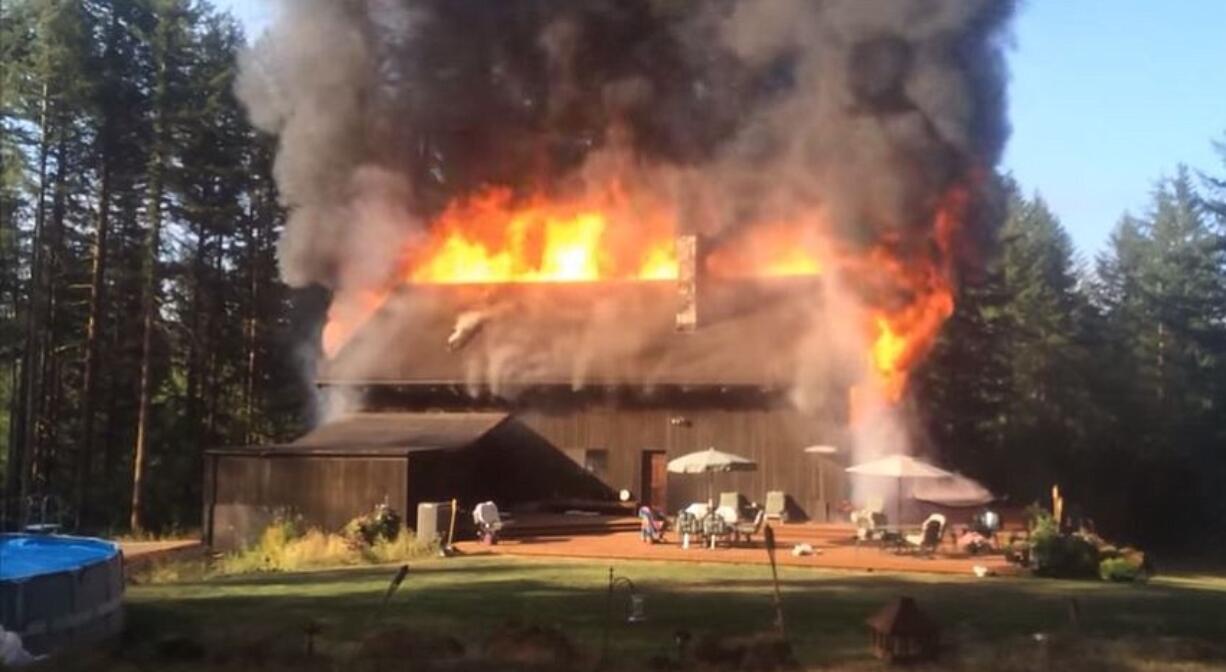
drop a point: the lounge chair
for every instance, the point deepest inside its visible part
(729, 507)
(744, 531)
(776, 506)
(929, 536)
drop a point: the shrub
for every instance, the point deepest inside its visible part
(382, 524)
(1125, 566)
(284, 547)
(404, 547)
(1061, 555)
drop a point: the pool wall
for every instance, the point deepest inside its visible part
(61, 609)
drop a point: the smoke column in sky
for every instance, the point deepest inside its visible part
(875, 123)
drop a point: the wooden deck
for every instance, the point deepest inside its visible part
(618, 538)
(139, 554)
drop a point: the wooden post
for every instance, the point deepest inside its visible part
(769, 534)
(451, 526)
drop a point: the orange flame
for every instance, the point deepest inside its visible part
(491, 239)
(904, 335)
(782, 249)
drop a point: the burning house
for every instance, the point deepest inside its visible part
(570, 240)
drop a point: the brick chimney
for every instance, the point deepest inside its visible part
(689, 262)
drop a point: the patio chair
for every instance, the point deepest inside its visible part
(715, 527)
(729, 507)
(869, 523)
(688, 525)
(929, 537)
(488, 522)
(776, 506)
(745, 530)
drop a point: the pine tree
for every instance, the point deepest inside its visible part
(1163, 287)
(168, 42)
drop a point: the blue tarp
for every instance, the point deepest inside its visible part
(24, 556)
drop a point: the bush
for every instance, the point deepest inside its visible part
(1059, 555)
(1124, 566)
(284, 547)
(382, 524)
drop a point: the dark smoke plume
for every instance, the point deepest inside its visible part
(388, 109)
(859, 116)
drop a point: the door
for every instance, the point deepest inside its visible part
(654, 490)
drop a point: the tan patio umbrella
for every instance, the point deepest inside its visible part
(955, 490)
(709, 462)
(898, 467)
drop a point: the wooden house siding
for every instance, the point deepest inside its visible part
(250, 490)
(773, 437)
(539, 454)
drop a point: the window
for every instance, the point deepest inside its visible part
(596, 462)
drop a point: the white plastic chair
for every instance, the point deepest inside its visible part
(487, 520)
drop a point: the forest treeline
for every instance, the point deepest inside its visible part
(142, 319)
(1105, 376)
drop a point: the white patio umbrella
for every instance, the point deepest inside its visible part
(899, 467)
(953, 490)
(709, 462)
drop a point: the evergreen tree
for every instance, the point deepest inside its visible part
(1162, 284)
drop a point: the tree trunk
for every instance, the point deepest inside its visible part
(23, 447)
(148, 309)
(157, 167)
(47, 424)
(251, 328)
(195, 337)
(93, 327)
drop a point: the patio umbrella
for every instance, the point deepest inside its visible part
(899, 467)
(953, 490)
(709, 462)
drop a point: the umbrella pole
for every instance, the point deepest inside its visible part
(898, 504)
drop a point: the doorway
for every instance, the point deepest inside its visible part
(654, 485)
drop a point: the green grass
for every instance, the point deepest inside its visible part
(825, 611)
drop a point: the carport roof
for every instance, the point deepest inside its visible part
(383, 434)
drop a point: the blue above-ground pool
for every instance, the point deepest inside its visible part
(59, 591)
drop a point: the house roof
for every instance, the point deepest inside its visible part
(750, 333)
(384, 434)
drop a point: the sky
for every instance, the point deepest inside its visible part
(1105, 98)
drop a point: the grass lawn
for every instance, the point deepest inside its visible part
(1176, 619)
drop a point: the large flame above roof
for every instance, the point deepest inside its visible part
(495, 238)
